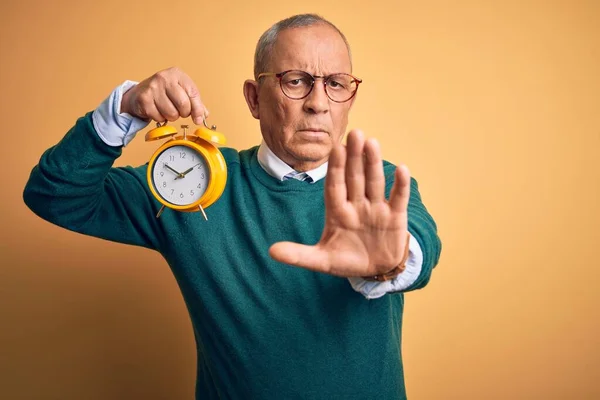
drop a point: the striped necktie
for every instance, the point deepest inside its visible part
(301, 176)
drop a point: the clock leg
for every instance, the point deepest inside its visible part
(203, 213)
(160, 211)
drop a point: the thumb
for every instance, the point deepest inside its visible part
(310, 257)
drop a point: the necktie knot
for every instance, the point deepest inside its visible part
(300, 176)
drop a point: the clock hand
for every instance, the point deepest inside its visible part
(179, 174)
(183, 174)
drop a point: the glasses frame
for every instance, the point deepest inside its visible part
(280, 75)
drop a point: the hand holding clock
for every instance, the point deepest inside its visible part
(165, 96)
(169, 95)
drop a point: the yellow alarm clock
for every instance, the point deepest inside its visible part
(187, 173)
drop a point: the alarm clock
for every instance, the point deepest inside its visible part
(188, 172)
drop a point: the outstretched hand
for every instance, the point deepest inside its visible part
(364, 234)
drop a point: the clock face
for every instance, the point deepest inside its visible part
(180, 175)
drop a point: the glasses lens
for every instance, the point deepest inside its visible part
(341, 87)
(296, 84)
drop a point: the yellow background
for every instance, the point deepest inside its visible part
(493, 105)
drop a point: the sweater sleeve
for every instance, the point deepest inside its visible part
(75, 186)
(422, 228)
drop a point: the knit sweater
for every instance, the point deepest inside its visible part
(264, 330)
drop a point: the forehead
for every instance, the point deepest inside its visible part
(318, 49)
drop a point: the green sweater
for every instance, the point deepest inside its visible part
(264, 330)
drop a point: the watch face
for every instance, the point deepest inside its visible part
(180, 175)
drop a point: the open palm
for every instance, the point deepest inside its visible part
(364, 234)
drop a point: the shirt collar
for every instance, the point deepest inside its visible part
(275, 167)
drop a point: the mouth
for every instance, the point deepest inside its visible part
(316, 131)
(313, 135)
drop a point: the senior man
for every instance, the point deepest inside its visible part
(354, 225)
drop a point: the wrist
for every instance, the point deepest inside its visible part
(394, 272)
(125, 103)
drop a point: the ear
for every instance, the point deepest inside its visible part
(251, 95)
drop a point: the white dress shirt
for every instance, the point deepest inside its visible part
(118, 129)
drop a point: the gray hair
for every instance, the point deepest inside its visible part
(266, 42)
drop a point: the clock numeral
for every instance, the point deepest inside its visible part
(199, 186)
(181, 154)
(191, 192)
(171, 158)
(162, 173)
(172, 191)
(164, 184)
(202, 176)
(193, 158)
(181, 195)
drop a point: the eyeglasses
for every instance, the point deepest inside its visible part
(298, 84)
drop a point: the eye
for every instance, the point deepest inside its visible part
(297, 81)
(339, 82)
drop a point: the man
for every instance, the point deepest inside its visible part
(265, 329)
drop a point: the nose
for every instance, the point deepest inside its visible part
(317, 101)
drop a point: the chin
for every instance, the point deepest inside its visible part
(310, 152)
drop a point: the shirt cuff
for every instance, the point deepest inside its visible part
(375, 289)
(112, 126)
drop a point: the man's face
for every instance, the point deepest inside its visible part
(302, 132)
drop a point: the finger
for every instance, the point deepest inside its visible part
(374, 178)
(180, 100)
(335, 181)
(355, 173)
(198, 110)
(400, 192)
(300, 255)
(152, 112)
(165, 107)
